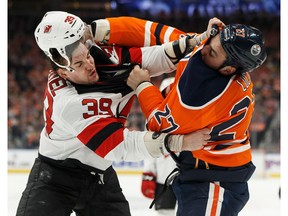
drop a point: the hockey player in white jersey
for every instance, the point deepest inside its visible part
(85, 107)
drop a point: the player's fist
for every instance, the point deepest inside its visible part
(137, 76)
(148, 185)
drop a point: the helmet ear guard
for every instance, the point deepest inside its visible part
(244, 46)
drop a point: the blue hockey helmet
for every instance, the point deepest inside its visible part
(244, 46)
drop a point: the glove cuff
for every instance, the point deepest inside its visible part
(148, 176)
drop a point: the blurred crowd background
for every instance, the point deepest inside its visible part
(28, 67)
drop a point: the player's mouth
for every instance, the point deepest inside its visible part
(93, 73)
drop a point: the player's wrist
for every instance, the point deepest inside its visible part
(196, 40)
(173, 143)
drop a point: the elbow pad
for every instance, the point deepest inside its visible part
(176, 50)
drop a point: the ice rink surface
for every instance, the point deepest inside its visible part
(264, 200)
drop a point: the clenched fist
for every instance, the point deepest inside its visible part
(137, 76)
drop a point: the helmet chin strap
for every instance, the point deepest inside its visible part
(67, 67)
(71, 70)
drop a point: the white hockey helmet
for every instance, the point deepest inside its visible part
(57, 30)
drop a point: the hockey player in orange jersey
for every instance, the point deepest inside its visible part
(212, 89)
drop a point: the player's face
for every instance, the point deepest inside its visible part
(84, 67)
(213, 53)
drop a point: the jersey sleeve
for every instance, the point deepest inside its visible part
(152, 94)
(103, 134)
(131, 31)
(156, 100)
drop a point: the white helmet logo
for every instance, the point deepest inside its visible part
(255, 50)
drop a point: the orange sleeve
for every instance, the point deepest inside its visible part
(153, 95)
(126, 31)
(131, 31)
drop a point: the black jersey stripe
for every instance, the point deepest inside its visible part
(100, 137)
(157, 33)
(126, 58)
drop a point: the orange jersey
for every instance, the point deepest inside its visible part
(203, 98)
(131, 31)
(198, 98)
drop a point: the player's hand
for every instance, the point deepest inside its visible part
(196, 140)
(148, 185)
(212, 22)
(196, 41)
(137, 76)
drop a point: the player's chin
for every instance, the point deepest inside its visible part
(94, 77)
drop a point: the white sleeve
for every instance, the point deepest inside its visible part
(132, 148)
(156, 61)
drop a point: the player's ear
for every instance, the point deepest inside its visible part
(62, 73)
(227, 70)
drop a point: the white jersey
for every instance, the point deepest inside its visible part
(87, 127)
